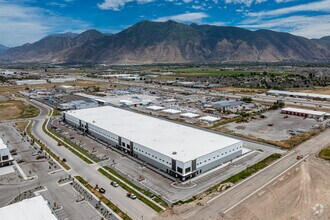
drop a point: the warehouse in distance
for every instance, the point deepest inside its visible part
(179, 150)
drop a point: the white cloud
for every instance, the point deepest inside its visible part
(218, 23)
(320, 6)
(245, 2)
(22, 24)
(187, 17)
(306, 26)
(116, 5)
(283, 1)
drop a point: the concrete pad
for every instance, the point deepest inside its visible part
(6, 170)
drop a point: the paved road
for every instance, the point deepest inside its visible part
(229, 199)
(134, 208)
(63, 195)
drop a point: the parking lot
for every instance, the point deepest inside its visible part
(145, 175)
(40, 173)
(274, 126)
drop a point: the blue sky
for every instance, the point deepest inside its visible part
(24, 21)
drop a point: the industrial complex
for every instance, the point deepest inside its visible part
(178, 150)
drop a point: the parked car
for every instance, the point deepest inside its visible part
(101, 190)
(34, 153)
(131, 195)
(40, 157)
(114, 184)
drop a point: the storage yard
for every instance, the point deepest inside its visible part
(274, 125)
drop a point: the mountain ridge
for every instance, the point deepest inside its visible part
(3, 48)
(150, 42)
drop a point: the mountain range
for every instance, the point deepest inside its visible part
(150, 42)
(3, 48)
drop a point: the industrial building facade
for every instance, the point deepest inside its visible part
(305, 113)
(175, 149)
(5, 157)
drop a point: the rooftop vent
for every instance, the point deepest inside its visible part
(174, 152)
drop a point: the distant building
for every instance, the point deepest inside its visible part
(28, 209)
(78, 104)
(61, 80)
(65, 106)
(228, 105)
(305, 113)
(5, 157)
(299, 94)
(82, 104)
(30, 82)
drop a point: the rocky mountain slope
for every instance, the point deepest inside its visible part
(170, 42)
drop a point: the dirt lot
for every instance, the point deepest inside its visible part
(11, 89)
(274, 127)
(304, 193)
(13, 109)
(240, 90)
(325, 91)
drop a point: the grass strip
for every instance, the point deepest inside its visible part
(66, 143)
(125, 187)
(252, 169)
(56, 112)
(235, 178)
(57, 158)
(325, 153)
(105, 200)
(29, 112)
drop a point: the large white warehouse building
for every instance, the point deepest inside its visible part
(178, 150)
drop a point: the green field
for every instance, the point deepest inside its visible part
(325, 153)
(192, 72)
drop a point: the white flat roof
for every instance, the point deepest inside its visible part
(305, 111)
(28, 209)
(155, 107)
(171, 111)
(159, 135)
(312, 95)
(209, 118)
(2, 144)
(189, 115)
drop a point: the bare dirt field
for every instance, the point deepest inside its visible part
(241, 90)
(325, 91)
(303, 193)
(13, 109)
(275, 126)
(11, 89)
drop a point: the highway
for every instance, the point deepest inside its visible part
(134, 208)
